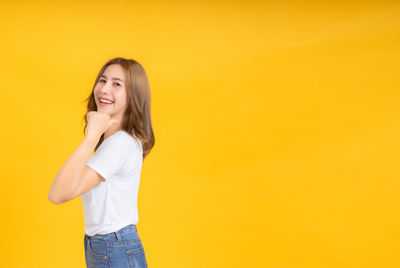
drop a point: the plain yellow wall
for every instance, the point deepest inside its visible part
(276, 125)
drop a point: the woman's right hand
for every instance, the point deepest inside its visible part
(97, 124)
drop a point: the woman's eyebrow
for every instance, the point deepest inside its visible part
(114, 78)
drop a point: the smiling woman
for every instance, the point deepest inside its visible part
(119, 131)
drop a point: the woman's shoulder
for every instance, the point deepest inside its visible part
(129, 139)
(133, 146)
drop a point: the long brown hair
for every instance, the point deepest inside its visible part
(137, 117)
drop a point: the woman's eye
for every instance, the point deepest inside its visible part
(102, 80)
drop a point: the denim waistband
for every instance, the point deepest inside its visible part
(123, 230)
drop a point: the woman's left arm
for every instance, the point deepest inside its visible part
(69, 176)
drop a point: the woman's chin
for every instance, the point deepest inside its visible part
(105, 110)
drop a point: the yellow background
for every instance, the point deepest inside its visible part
(276, 125)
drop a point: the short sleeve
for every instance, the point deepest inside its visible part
(108, 158)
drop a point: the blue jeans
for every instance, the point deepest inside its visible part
(120, 249)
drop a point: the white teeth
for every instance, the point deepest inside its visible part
(105, 101)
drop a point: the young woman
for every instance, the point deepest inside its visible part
(119, 131)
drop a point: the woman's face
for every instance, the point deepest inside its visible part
(111, 86)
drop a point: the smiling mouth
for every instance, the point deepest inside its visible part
(103, 101)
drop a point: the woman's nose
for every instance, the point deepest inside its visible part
(105, 88)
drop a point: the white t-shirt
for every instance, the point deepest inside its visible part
(112, 204)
